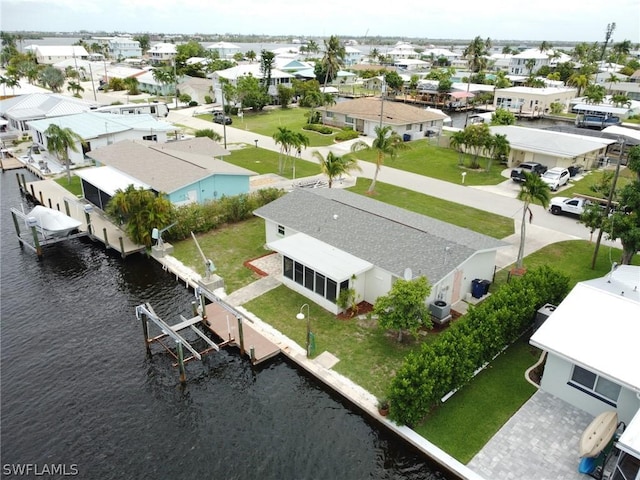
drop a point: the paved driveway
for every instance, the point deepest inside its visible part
(540, 442)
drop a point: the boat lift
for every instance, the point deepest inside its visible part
(38, 236)
(145, 313)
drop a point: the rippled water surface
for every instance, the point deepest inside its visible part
(77, 388)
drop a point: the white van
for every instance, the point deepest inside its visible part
(157, 109)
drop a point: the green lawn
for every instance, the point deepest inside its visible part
(573, 258)
(267, 122)
(583, 186)
(463, 424)
(229, 247)
(477, 220)
(266, 161)
(368, 355)
(74, 187)
(432, 161)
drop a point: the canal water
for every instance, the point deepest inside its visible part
(80, 395)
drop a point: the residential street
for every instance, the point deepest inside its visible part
(500, 199)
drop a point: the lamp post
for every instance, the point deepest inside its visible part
(300, 316)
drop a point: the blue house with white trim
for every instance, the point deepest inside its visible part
(188, 171)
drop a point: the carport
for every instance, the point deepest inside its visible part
(100, 184)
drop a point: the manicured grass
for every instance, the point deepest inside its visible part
(267, 122)
(266, 161)
(74, 187)
(583, 186)
(573, 258)
(368, 355)
(468, 217)
(430, 160)
(229, 247)
(463, 424)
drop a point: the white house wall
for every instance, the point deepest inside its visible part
(557, 373)
(377, 282)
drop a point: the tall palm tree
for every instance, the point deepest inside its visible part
(251, 56)
(613, 78)
(333, 59)
(286, 139)
(529, 64)
(532, 189)
(595, 94)
(476, 54)
(579, 80)
(334, 166)
(60, 141)
(387, 143)
(544, 46)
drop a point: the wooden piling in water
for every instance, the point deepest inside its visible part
(145, 330)
(183, 373)
(241, 335)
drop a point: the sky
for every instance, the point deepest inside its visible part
(559, 20)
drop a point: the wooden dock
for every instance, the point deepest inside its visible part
(50, 194)
(9, 162)
(224, 324)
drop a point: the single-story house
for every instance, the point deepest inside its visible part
(99, 129)
(232, 75)
(363, 115)
(591, 340)
(50, 54)
(551, 148)
(186, 171)
(529, 100)
(36, 106)
(196, 88)
(332, 239)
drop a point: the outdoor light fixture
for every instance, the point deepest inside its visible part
(300, 316)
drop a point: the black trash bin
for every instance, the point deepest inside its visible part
(477, 288)
(485, 286)
(406, 137)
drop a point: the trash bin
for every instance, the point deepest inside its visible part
(485, 286)
(406, 137)
(477, 288)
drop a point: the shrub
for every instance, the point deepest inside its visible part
(450, 361)
(208, 99)
(203, 218)
(346, 134)
(314, 127)
(193, 103)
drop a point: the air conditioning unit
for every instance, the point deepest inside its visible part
(440, 309)
(542, 314)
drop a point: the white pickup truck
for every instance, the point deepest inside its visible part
(573, 206)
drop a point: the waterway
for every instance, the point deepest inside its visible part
(79, 393)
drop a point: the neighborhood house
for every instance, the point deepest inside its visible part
(331, 240)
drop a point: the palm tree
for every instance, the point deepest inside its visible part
(299, 141)
(313, 47)
(476, 55)
(457, 141)
(251, 55)
(286, 139)
(499, 149)
(387, 143)
(579, 80)
(595, 94)
(333, 59)
(60, 141)
(532, 189)
(76, 88)
(529, 64)
(544, 46)
(374, 54)
(334, 166)
(613, 78)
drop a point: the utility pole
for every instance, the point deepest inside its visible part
(621, 142)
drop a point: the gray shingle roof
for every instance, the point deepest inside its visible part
(164, 170)
(387, 236)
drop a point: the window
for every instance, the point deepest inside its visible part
(287, 269)
(329, 114)
(151, 138)
(308, 278)
(331, 290)
(348, 120)
(281, 230)
(298, 272)
(320, 279)
(594, 385)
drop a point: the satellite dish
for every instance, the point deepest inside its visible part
(408, 274)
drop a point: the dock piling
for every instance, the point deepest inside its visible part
(106, 238)
(183, 373)
(241, 335)
(145, 330)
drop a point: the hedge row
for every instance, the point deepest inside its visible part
(450, 362)
(318, 128)
(198, 218)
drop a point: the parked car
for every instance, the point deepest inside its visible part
(517, 174)
(556, 177)
(220, 117)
